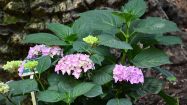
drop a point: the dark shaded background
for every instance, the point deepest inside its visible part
(20, 17)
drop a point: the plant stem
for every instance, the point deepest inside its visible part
(39, 81)
(126, 35)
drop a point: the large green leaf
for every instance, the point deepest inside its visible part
(156, 25)
(168, 99)
(168, 40)
(43, 38)
(23, 86)
(82, 88)
(96, 21)
(103, 75)
(110, 41)
(135, 7)
(150, 58)
(169, 76)
(95, 91)
(43, 64)
(150, 86)
(121, 101)
(67, 84)
(60, 30)
(97, 58)
(50, 96)
(81, 47)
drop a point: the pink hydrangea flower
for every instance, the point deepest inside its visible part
(131, 73)
(44, 50)
(21, 68)
(74, 64)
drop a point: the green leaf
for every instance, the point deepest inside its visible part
(82, 88)
(95, 91)
(169, 76)
(168, 40)
(127, 17)
(97, 58)
(121, 101)
(103, 75)
(60, 30)
(168, 99)
(50, 96)
(23, 86)
(81, 46)
(43, 64)
(135, 7)
(96, 21)
(156, 25)
(67, 84)
(110, 41)
(54, 79)
(43, 38)
(150, 86)
(150, 58)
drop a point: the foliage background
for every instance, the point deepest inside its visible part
(20, 17)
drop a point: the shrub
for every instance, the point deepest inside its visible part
(90, 72)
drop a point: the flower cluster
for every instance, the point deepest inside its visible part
(26, 64)
(90, 39)
(74, 64)
(37, 50)
(132, 74)
(12, 66)
(4, 88)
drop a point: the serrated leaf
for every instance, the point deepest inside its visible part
(43, 38)
(150, 58)
(50, 96)
(96, 21)
(23, 86)
(81, 46)
(97, 58)
(110, 41)
(156, 25)
(103, 75)
(121, 101)
(169, 76)
(43, 64)
(135, 7)
(60, 30)
(150, 86)
(82, 88)
(95, 91)
(168, 99)
(168, 40)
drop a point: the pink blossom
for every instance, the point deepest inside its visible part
(131, 73)
(43, 50)
(74, 64)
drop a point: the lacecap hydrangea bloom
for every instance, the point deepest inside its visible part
(4, 88)
(12, 66)
(131, 74)
(27, 64)
(44, 50)
(91, 39)
(74, 64)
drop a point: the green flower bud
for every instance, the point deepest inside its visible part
(12, 66)
(4, 88)
(31, 64)
(91, 40)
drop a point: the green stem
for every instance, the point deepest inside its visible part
(126, 35)
(39, 81)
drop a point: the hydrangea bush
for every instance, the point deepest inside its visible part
(75, 64)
